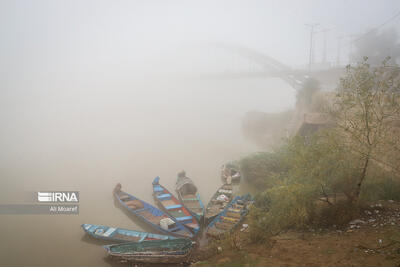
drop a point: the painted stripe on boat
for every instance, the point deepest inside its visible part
(173, 207)
(164, 196)
(109, 231)
(184, 218)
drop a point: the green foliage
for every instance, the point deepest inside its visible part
(290, 207)
(364, 112)
(264, 169)
(316, 161)
(315, 170)
(315, 187)
(366, 105)
(319, 179)
(320, 161)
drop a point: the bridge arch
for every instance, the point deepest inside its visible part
(271, 67)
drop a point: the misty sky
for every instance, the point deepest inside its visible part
(68, 58)
(59, 35)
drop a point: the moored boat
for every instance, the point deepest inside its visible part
(151, 215)
(173, 207)
(189, 196)
(160, 251)
(230, 173)
(119, 234)
(218, 202)
(230, 217)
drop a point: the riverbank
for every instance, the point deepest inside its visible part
(372, 240)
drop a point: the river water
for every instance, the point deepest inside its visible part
(90, 138)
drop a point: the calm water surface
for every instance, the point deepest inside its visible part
(75, 138)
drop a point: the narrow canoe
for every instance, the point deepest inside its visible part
(231, 216)
(189, 196)
(162, 251)
(119, 234)
(173, 207)
(218, 202)
(151, 215)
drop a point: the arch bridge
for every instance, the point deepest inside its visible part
(262, 65)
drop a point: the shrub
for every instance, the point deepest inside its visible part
(281, 208)
(265, 169)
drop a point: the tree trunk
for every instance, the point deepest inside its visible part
(361, 180)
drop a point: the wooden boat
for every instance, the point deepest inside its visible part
(218, 202)
(188, 195)
(230, 173)
(173, 207)
(157, 251)
(151, 215)
(231, 216)
(119, 234)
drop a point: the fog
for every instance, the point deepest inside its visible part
(93, 93)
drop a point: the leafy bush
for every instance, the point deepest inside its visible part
(264, 169)
(302, 181)
(323, 179)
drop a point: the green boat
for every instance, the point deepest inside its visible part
(189, 195)
(154, 251)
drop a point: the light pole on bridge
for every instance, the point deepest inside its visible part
(312, 26)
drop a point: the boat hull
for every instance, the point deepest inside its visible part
(221, 198)
(152, 215)
(152, 258)
(191, 198)
(121, 235)
(230, 218)
(165, 251)
(174, 207)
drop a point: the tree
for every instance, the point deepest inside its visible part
(364, 112)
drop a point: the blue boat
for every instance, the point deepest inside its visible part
(228, 219)
(189, 196)
(119, 234)
(151, 215)
(171, 205)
